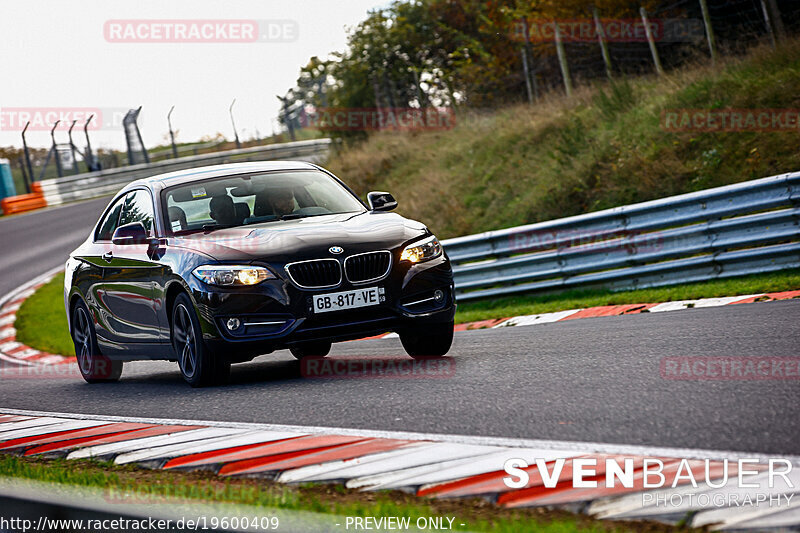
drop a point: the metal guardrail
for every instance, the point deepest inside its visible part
(104, 182)
(745, 228)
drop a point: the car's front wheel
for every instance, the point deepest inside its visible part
(199, 365)
(93, 366)
(310, 349)
(433, 340)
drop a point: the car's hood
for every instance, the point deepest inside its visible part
(305, 238)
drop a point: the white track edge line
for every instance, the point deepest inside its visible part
(13, 294)
(27, 285)
(583, 447)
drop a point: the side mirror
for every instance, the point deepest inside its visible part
(381, 201)
(133, 233)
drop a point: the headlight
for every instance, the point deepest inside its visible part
(424, 250)
(232, 274)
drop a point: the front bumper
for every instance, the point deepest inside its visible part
(276, 314)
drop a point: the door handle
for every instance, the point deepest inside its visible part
(108, 256)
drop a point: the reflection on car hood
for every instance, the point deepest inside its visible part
(304, 238)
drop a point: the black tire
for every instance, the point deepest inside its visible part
(310, 349)
(423, 342)
(199, 365)
(93, 366)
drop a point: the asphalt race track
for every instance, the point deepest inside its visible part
(33, 243)
(595, 380)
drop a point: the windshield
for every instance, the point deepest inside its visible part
(252, 199)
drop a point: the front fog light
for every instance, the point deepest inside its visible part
(233, 324)
(438, 296)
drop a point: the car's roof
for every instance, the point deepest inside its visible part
(189, 175)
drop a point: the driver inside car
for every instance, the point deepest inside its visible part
(282, 201)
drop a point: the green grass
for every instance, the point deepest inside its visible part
(603, 147)
(531, 305)
(42, 322)
(477, 515)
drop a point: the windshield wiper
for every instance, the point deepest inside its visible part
(208, 228)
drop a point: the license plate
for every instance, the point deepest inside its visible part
(338, 301)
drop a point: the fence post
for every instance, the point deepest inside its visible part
(72, 149)
(233, 123)
(651, 41)
(773, 22)
(528, 88)
(27, 152)
(89, 159)
(777, 23)
(529, 54)
(562, 60)
(171, 133)
(59, 171)
(598, 26)
(712, 45)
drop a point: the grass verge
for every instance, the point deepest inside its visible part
(42, 322)
(160, 486)
(574, 299)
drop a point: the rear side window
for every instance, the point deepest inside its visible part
(138, 207)
(110, 223)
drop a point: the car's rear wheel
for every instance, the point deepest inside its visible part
(433, 340)
(93, 366)
(198, 363)
(310, 349)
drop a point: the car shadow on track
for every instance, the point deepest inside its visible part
(312, 370)
(270, 370)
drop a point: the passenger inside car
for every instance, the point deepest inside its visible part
(223, 211)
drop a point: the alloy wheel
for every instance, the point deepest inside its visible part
(82, 336)
(185, 341)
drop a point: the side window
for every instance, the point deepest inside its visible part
(106, 228)
(138, 207)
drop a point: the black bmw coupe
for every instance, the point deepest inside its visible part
(216, 265)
